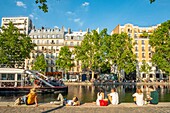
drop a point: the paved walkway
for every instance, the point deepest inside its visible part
(8, 107)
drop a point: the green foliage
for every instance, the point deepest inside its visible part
(160, 41)
(89, 52)
(14, 46)
(100, 50)
(145, 67)
(151, 1)
(40, 63)
(64, 60)
(118, 51)
(42, 5)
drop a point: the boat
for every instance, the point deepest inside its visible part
(20, 80)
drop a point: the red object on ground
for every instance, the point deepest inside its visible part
(103, 102)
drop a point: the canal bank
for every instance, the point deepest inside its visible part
(122, 83)
(162, 107)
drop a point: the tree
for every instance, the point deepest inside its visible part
(14, 46)
(151, 1)
(42, 5)
(89, 51)
(64, 60)
(40, 64)
(160, 41)
(145, 67)
(118, 52)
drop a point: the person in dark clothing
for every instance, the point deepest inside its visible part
(154, 95)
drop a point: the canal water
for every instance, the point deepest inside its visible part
(88, 93)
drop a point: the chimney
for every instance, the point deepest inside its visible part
(80, 30)
(69, 30)
(62, 28)
(88, 30)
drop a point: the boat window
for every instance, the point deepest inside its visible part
(3, 76)
(19, 76)
(11, 76)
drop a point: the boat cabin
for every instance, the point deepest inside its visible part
(11, 77)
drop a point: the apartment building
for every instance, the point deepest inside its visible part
(142, 48)
(49, 42)
(24, 24)
(72, 39)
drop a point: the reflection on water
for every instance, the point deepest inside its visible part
(88, 93)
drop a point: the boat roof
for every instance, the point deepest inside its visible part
(11, 70)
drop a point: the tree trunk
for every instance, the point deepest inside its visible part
(92, 76)
(118, 76)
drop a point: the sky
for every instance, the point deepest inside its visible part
(93, 14)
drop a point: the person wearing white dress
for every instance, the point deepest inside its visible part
(113, 97)
(139, 97)
(100, 96)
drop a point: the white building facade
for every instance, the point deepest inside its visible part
(24, 24)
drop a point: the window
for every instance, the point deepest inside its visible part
(39, 36)
(129, 35)
(150, 55)
(143, 42)
(48, 36)
(3, 77)
(78, 43)
(78, 37)
(47, 41)
(66, 38)
(151, 75)
(136, 41)
(149, 48)
(143, 48)
(136, 54)
(71, 43)
(144, 75)
(35, 36)
(71, 37)
(53, 36)
(38, 42)
(58, 35)
(136, 48)
(43, 36)
(135, 36)
(157, 75)
(10, 76)
(42, 48)
(57, 42)
(143, 55)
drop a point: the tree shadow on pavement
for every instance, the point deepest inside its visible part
(53, 109)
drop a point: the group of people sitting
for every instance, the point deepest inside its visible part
(150, 97)
(140, 98)
(112, 97)
(31, 99)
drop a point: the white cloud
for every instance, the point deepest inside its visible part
(70, 13)
(31, 15)
(21, 4)
(85, 4)
(78, 21)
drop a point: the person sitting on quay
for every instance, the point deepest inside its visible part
(113, 97)
(29, 99)
(138, 97)
(154, 96)
(100, 96)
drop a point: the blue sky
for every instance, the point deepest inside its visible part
(83, 14)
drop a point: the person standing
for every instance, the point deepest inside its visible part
(113, 97)
(138, 97)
